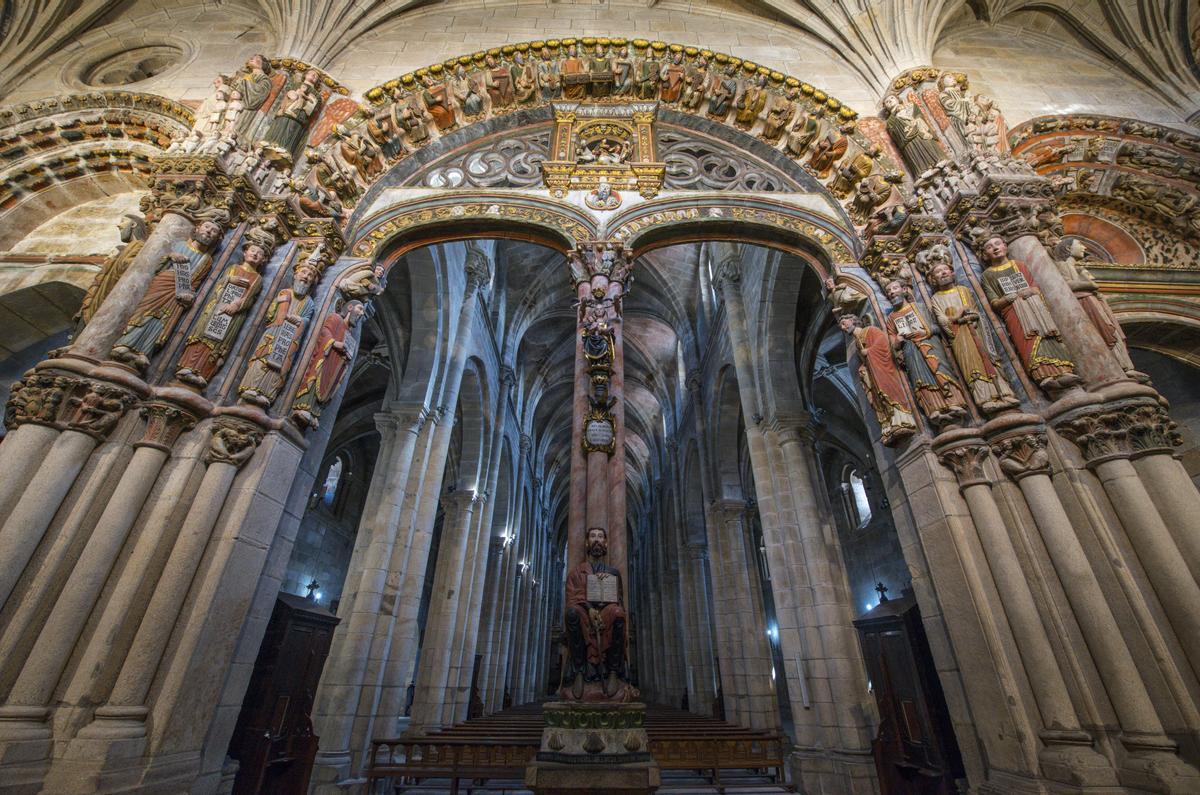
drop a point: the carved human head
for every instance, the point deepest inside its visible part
(948, 80)
(258, 63)
(352, 311)
(304, 277)
(255, 255)
(995, 250)
(597, 542)
(941, 274)
(131, 227)
(312, 77)
(207, 233)
(848, 322)
(895, 290)
(891, 102)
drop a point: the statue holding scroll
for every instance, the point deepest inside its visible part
(595, 628)
(179, 275)
(273, 357)
(217, 329)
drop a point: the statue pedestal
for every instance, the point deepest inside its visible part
(596, 748)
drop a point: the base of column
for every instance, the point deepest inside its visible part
(594, 748)
(116, 723)
(1069, 758)
(822, 770)
(1153, 764)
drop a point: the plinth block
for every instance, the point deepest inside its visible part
(599, 748)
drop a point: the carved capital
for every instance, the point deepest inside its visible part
(727, 510)
(966, 460)
(1102, 433)
(507, 377)
(1010, 205)
(98, 409)
(693, 381)
(478, 272)
(1021, 455)
(233, 442)
(1152, 431)
(526, 443)
(37, 398)
(164, 423)
(728, 276)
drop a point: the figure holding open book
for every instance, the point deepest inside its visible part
(595, 628)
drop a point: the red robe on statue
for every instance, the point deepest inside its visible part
(597, 643)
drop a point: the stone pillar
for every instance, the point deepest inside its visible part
(124, 715)
(1066, 755)
(1106, 436)
(345, 670)
(741, 630)
(489, 627)
(89, 412)
(61, 629)
(433, 673)
(699, 672)
(1151, 761)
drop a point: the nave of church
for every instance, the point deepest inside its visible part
(599, 397)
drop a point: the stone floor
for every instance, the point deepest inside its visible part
(673, 783)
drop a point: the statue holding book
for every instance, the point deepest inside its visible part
(595, 628)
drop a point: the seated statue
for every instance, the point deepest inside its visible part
(595, 628)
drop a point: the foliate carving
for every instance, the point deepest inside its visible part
(1101, 433)
(1152, 431)
(97, 411)
(37, 398)
(966, 461)
(1022, 455)
(164, 423)
(233, 442)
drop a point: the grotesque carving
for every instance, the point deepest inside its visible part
(233, 442)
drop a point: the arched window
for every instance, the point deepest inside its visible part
(859, 499)
(333, 478)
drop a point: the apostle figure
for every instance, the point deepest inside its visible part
(695, 88)
(286, 320)
(132, 230)
(879, 377)
(958, 317)
(751, 103)
(622, 67)
(172, 290)
(465, 93)
(647, 71)
(497, 80)
(595, 625)
(254, 85)
(289, 128)
(548, 78)
(437, 101)
(781, 112)
(1016, 297)
(600, 73)
(827, 153)
(872, 192)
(853, 171)
(725, 88)
(911, 135)
(523, 77)
(672, 76)
(574, 75)
(803, 132)
(216, 330)
(329, 362)
(923, 358)
(956, 103)
(1069, 255)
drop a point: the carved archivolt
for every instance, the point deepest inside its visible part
(1143, 170)
(565, 224)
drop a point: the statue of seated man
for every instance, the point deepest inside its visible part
(595, 623)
